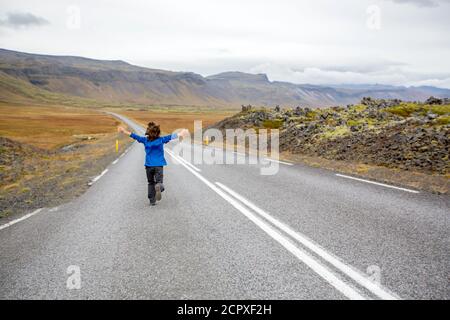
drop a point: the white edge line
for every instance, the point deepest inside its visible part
(255, 156)
(249, 155)
(6, 225)
(317, 267)
(377, 183)
(98, 177)
(279, 161)
(350, 271)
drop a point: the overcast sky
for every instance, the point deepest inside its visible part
(401, 42)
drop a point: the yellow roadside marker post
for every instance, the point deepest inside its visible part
(117, 142)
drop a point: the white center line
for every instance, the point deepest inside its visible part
(351, 272)
(377, 183)
(181, 160)
(303, 256)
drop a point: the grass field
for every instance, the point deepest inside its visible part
(52, 127)
(35, 171)
(172, 119)
(49, 174)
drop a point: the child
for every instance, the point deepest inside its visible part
(154, 158)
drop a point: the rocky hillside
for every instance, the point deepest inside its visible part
(120, 82)
(390, 133)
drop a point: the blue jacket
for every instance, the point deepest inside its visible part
(154, 150)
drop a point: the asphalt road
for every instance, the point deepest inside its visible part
(228, 232)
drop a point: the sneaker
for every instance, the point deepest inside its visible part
(152, 204)
(158, 192)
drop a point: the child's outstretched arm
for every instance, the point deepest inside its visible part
(183, 133)
(123, 130)
(132, 135)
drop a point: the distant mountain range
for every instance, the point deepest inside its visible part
(26, 77)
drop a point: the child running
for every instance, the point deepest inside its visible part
(154, 157)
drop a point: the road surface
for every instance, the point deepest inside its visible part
(227, 232)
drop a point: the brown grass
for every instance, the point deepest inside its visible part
(172, 120)
(48, 175)
(52, 127)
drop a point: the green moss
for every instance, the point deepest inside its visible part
(441, 110)
(352, 123)
(337, 132)
(25, 190)
(358, 107)
(406, 109)
(443, 120)
(5, 213)
(311, 115)
(272, 124)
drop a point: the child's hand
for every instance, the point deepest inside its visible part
(121, 129)
(184, 133)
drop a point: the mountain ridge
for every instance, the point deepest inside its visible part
(117, 81)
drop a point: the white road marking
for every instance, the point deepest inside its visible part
(351, 272)
(249, 155)
(377, 183)
(312, 263)
(98, 177)
(279, 161)
(180, 159)
(264, 158)
(6, 225)
(115, 161)
(239, 153)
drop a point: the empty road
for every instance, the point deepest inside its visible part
(227, 232)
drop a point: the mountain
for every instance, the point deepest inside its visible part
(25, 76)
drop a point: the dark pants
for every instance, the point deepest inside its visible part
(154, 175)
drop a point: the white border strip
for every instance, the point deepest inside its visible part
(377, 183)
(324, 272)
(181, 160)
(279, 161)
(6, 225)
(98, 177)
(351, 272)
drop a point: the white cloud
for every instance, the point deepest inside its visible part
(394, 75)
(291, 40)
(22, 20)
(422, 3)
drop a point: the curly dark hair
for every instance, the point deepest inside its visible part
(153, 131)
